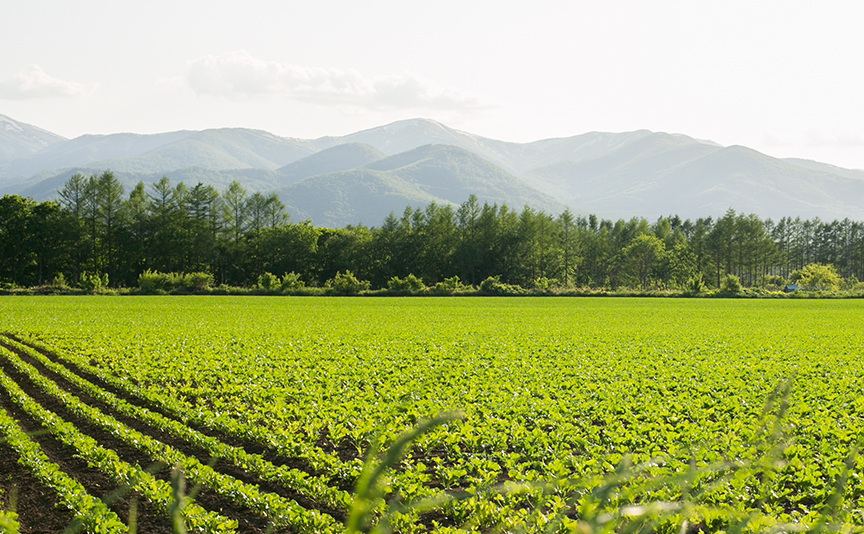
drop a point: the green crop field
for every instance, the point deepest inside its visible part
(732, 412)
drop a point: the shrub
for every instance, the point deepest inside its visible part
(198, 281)
(696, 283)
(772, 281)
(9, 522)
(494, 285)
(817, 277)
(155, 282)
(730, 284)
(268, 281)
(449, 286)
(59, 281)
(291, 281)
(410, 283)
(347, 283)
(92, 282)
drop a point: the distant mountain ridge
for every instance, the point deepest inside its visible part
(446, 175)
(333, 159)
(19, 140)
(342, 180)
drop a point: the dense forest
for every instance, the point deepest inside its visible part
(96, 228)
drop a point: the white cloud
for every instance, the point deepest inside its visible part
(238, 75)
(35, 83)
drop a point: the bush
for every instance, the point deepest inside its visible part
(347, 283)
(449, 286)
(92, 282)
(59, 281)
(817, 277)
(410, 284)
(198, 281)
(268, 281)
(545, 283)
(154, 282)
(774, 282)
(696, 284)
(730, 284)
(291, 281)
(495, 286)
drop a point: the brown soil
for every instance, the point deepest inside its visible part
(201, 455)
(248, 521)
(36, 504)
(99, 485)
(252, 447)
(94, 481)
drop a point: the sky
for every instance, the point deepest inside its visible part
(782, 77)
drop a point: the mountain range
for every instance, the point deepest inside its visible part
(361, 177)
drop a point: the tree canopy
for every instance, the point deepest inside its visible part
(98, 229)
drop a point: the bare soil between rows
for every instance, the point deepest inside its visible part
(94, 481)
(247, 520)
(36, 504)
(203, 456)
(275, 457)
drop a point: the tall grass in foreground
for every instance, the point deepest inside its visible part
(618, 502)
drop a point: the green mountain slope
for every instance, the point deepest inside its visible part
(443, 174)
(334, 159)
(611, 174)
(351, 197)
(452, 174)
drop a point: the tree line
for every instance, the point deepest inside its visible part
(96, 229)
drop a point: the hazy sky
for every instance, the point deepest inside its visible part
(784, 77)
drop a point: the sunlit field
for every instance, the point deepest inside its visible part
(289, 394)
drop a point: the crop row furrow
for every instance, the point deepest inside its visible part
(406, 483)
(91, 512)
(157, 491)
(312, 487)
(276, 510)
(284, 444)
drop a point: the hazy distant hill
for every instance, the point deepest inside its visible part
(86, 150)
(443, 174)
(613, 175)
(513, 157)
(826, 167)
(350, 197)
(662, 174)
(252, 179)
(229, 148)
(334, 159)
(18, 140)
(452, 174)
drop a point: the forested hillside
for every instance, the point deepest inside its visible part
(335, 181)
(236, 236)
